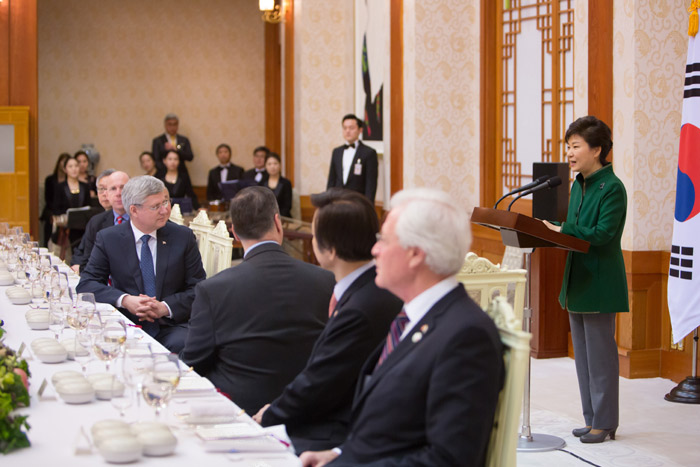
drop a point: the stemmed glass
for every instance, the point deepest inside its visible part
(121, 396)
(55, 321)
(81, 349)
(108, 343)
(138, 361)
(160, 383)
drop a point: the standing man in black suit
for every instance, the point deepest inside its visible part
(154, 264)
(113, 185)
(171, 141)
(354, 165)
(428, 395)
(315, 407)
(223, 172)
(258, 172)
(253, 326)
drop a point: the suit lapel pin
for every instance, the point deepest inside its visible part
(416, 337)
(163, 242)
(424, 328)
(602, 185)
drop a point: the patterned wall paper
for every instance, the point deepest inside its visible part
(441, 96)
(109, 71)
(323, 86)
(649, 53)
(580, 58)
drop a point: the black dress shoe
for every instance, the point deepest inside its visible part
(578, 432)
(598, 437)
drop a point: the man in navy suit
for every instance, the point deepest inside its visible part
(253, 326)
(353, 165)
(225, 171)
(113, 185)
(315, 407)
(171, 141)
(428, 395)
(153, 264)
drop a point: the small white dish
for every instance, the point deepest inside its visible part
(37, 320)
(142, 427)
(107, 424)
(66, 375)
(69, 345)
(157, 443)
(75, 393)
(99, 436)
(120, 450)
(6, 278)
(106, 388)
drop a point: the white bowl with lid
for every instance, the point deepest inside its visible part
(37, 320)
(157, 443)
(6, 277)
(120, 449)
(75, 391)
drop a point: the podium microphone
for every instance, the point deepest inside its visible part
(549, 183)
(532, 184)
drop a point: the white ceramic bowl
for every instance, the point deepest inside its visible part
(141, 427)
(106, 388)
(157, 442)
(75, 391)
(49, 351)
(69, 345)
(6, 278)
(99, 436)
(66, 375)
(23, 300)
(120, 450)
(107, 424)
(37, 319)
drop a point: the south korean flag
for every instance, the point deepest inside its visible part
(684, 270)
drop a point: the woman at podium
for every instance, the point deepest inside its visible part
(594, 288)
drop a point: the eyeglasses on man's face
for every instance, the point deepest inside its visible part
(157, 207)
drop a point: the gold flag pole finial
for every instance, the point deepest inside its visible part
(693, 20)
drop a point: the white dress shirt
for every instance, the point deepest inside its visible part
(348, 156)
(224, 171)
(344, 284)
(153, 246)
(420, 305)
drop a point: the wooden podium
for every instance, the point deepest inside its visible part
(520, 231)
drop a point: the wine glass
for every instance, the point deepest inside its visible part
(86, 301)
(138, 361)
(81, 350)
(55, 321)
(160, 383)
(108, 343)
(122, 394)
(76, 317)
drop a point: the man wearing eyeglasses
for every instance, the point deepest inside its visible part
(109, 186)
(153, 264)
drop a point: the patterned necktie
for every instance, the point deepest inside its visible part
(332, 305)
(394, 337)
(120, 219)
(147, 272)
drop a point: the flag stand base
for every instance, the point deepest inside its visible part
(687, 392)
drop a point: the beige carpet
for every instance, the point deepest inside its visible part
(652, 432)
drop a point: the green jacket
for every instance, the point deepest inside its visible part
(596, 281)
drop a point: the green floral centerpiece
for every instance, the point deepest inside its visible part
(13, 394)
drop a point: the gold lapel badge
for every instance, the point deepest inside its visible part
(424, 328)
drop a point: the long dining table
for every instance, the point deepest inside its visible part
(60, 432)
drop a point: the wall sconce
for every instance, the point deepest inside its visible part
(272, 12)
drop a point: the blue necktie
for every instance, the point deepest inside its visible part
(149, 282)
(147, 272)
(394, 336)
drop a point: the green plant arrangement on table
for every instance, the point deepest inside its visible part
(13, 394)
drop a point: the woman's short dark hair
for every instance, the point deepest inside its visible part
(346, 222)
(273, 155)
(60, 162)
(594, 132)
(223, 145)
(147, 153)
(253, 212)
(81, 153)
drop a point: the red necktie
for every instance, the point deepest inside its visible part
(120, 219)
(394, 336)
(332, 305)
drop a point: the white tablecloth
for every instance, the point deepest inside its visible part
(55, 425)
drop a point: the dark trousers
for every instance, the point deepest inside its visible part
(597, 367)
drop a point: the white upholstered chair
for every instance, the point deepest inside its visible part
(482, 279)
(503, 442)
(176, 215)
(201, 227)
(220, 248)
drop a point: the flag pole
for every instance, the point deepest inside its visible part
(688, 390)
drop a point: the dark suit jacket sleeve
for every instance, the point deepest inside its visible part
(285, 199)
(96, 274)
(213, 185)
(185, 150)
(372, 173)
(81, 253)
(200, 345)
(463, 386)
(332, 174)
(180, 302)
(335, 365)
